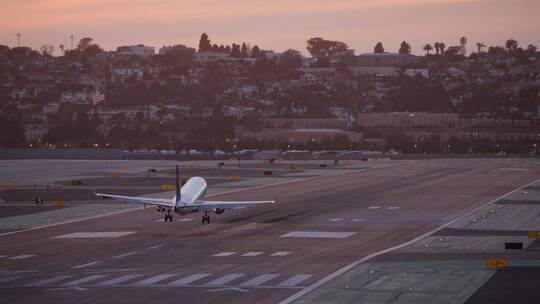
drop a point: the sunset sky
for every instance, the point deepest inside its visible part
(271, 24)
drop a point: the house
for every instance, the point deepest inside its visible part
(121, 74)
(386, 59)
(74, 97)
(210, 56)
(417, 72)
(139, 50)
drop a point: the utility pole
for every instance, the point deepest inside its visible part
(71, 36)
(18, 39)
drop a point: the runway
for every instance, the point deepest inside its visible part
(259, 255)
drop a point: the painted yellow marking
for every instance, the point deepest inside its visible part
(497, 263)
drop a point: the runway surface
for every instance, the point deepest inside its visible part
(259, 255)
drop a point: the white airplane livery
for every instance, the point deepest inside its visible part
(189, 198)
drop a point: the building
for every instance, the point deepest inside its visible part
(307, 123)
(139, 50)
(386, 59)
(210, 56)
(406, 119)
(73, 97)
(122, 74)
(166, 48)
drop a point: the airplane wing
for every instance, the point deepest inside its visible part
(206, 205)
(138, 200)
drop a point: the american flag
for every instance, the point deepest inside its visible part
(97, 98)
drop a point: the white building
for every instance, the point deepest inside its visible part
(125, 73)
(76, 97)
(137, 50)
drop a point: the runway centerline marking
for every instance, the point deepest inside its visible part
(336, 220)
(86, 265)
(319, 234)
(280, 253)
(22, 257)
(224, 254)
(374, 207)
(125, 254)
(252, 253)
(358, 220)
(392, 208)
(90, 235)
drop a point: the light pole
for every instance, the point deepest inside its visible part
(19, 39)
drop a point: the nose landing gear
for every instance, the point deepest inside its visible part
(205, 218)
(168, 216)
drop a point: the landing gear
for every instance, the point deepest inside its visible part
(205, 218)
(168, 216)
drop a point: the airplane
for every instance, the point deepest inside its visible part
(189, 198)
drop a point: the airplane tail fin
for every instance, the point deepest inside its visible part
(177, 185)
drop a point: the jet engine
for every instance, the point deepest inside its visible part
(160, 209)
(218, 210)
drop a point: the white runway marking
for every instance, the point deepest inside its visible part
(252, 253)
(121, 279)
(86, 265)
(155, 246)
(85, 280)
(185, 220)
(22, 257)
(358, 220)
(256, 281)
(336, 220)
(8, 279)
(3, 256)
(392, 208)
(224, 254)
(374, 207)
(295, 280)
(154, 279)
(513, 169)
(85, 235)
(52, 280)
(319, 234)
(281, 253)
(124, 255)
(190, 279)
(226, 279)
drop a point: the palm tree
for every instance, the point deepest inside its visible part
(61, 46)
(480, 46)
(428, 48)
(511, 45)
(442, 46)
(437, 47)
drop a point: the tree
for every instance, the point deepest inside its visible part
(244, 50)
(442, 46)
(235, 51)
(428, 48)
(511, 45)
(454, 51)
(255, 52)
(204, 43)
(290, 59)
(319, 47)
(47, 50)
(480, 46)
(405, 48)
(531, 49)
(463, 42)
(86, 48)
(437, 47)
(379, 49)
(61, 46)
